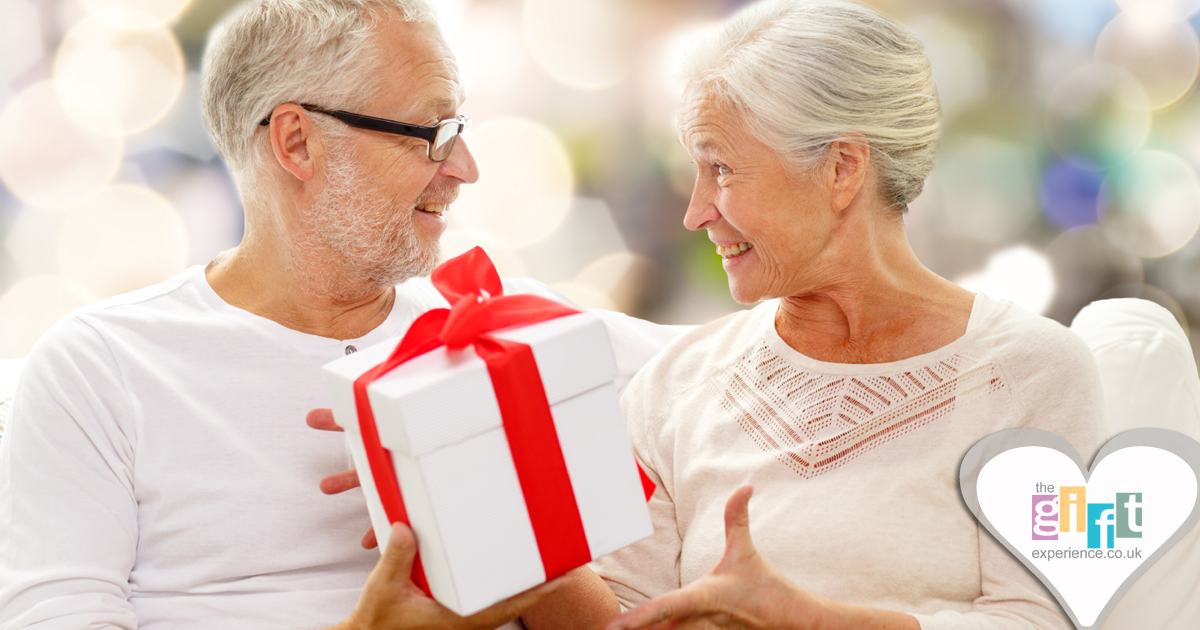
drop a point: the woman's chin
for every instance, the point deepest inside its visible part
(744, 286)
(743, 293)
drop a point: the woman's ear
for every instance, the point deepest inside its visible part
(849, 158)
(294, 141)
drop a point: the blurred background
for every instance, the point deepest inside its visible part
(1067, 169)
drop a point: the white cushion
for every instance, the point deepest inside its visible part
(1150, 380)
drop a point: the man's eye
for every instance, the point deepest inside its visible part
(723, 170)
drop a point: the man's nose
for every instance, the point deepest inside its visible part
(461, 164)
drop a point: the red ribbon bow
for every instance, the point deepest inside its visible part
(478, 306)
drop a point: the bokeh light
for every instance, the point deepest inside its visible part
(26, 240)
(1097, 115)
(1077, 21)
(584, 295)
(661, 85)
(1018, 274)
(1159, 11)
(21, 41)
(1070, 193)
(1086, 264)
(1180, 278)
(621, 277)
(508, 264)
(988, 189)
(1150, 205)
(1039, 109)
(1163, 58)
(125, 238)
(46, 159)
(118, 82)
(134, 14)
(209, 206)
(31, 306)
(961, 75)
(525, 184)
(588, 232)
(491, 55)
(674, 49)
(582, 43)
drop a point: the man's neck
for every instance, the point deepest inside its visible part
(267, 282)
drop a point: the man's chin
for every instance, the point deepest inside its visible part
(415, 265)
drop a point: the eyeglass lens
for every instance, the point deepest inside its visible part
(443, 143)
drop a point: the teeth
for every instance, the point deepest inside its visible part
(734, 250)
(434, 208)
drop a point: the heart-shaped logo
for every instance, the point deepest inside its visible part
(1086, 534)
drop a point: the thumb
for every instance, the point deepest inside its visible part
(397, 561)
(738, 545)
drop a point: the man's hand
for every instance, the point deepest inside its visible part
(391, 601)
(340, 481)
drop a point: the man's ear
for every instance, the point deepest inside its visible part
(849, 159)
(295, 141)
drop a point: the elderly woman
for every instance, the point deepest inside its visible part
(848, 397)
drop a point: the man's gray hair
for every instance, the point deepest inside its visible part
(805, 73)
(270, 52)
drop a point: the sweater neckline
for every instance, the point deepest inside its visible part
(983, 310)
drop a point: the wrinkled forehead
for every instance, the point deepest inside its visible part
(705, 120)
(419, 74)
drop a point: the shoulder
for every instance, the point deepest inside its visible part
(1052, 372)
(83, 335)
(1028, 342)
(695, 355)
(180, 295)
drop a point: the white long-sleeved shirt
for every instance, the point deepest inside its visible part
(854, 466)
(157, 471)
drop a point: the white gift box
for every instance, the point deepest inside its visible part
(438, 416)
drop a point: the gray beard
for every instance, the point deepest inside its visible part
(356, 240)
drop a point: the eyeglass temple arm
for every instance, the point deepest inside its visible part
(370, 122)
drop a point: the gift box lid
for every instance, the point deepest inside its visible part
(573, 354)
(341, 373)
(445, 396)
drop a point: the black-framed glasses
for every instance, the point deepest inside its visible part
(440, 137)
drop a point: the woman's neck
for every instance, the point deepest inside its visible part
(876, 303)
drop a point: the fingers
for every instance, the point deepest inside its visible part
(340, 482)
(505, 611)
(322, 419)
(738, 544)
(663, 610)
(397, 560)
(369, 541)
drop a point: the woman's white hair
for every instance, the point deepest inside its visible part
(805, 73)
(270, 52)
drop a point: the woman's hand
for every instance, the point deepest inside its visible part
(743, 591)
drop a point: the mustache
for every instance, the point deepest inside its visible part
(440, 194)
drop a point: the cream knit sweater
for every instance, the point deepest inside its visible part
(854, 466)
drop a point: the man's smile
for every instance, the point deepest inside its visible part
(433, 208)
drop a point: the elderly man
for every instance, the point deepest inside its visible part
(157, 471)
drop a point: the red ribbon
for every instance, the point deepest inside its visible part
(478, 306)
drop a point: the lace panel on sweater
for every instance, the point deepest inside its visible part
(815, 423)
